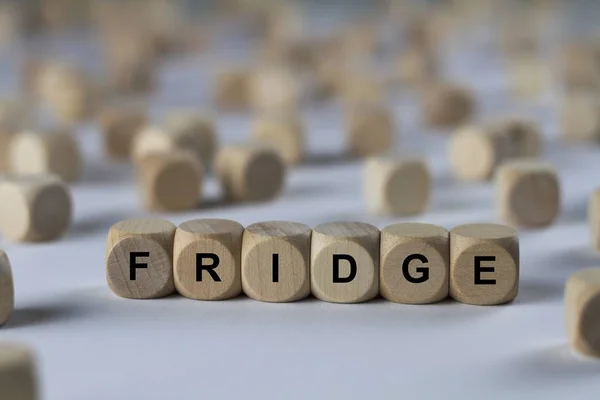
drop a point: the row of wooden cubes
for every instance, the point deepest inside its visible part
(340, 262)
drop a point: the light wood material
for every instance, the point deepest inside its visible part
(7, 290)
(285, 133)
(530, 76)
(120, 124)
(370, 130)
(582, 305)
(195, 131)
(528, 193)
(499, 247)
(415, 265)
(54, 151)
(477, 151)
(18, 375)
(275, 89)
(220, 237)
(523, 136)
(37, 208)
(580, 118)
(447, 105)
(154, 276)
(250, 172)
(276, 261)
(594, 218)
(67, 91)
(417, 68)
(360, 87)
(232, 90)
(358, 240)
(396, 185)
(170, 181)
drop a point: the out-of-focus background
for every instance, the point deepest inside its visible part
(75, 64)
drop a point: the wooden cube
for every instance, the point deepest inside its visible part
(18, 375)
(37, 208)
(529, 76)
(447, 105)
(275, 89)
(7, 290)
(579, 68)
(523, 138)
(285, 133)
(120, 124)
(580, 118)
(477, 151)
(194, 131)
(232, 90)
(139, 258)
(207, 259)
(67, 91)
(55, 152)
(582, 305)
(415, 265)
(359, 88)
(484, 264)
(396, 185)
(170, 181)
(371, 130)
(528, 193)
(276, 261)
(417, 68)
(345, 262)
(594, 218)
(250, 172)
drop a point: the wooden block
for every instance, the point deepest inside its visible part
(396, 185)
(207, 259)
(170, 181)
(523, 137)
(276, 261)
(139, 258)
(417, 68)
(484, 264)
(7, 290)
(67, 91)
(415, 263)
(275, 89)
(582, 302)
(358, 88)
(18, 375)
(194, 131)
(447, 105)
(250, 172)
(285, 133)
(529, 76)
(232, 90)
(37, 208)
(579, 68)
(371, 130)
(345, 262)
(477, 151)
(580, 118)
(594, 218)
(54, 151)
(119, 127)
(528, 193)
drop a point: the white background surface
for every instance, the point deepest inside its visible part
(93, 345)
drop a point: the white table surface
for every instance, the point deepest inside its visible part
(92, 345)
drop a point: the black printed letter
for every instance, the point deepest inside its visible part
(424, 271)
(336, 268)
(133, 264)
(209, 268)
(479, 269)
